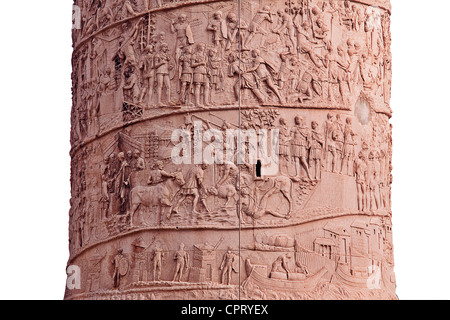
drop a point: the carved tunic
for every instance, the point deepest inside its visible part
(299, 141)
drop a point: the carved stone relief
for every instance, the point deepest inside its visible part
(309, 81)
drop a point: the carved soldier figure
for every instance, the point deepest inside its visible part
(182, 259)
(315, 155)
(133, 85)
(287, 67)
(124, 182)
(369, 27)
(148, 73)
(215, 70)
(104, 188)
(184, 34)
(320, 28)
(138, 163)
(245, 81)
(300, 143)
(360, 170)
(255, 26)
(236, 31)
(158, 255)
(228, 266)
(158, 174)
(384, 179)
(162, 66)
(107, 82)
(347, 15)
(218, 27)
(308, 85)
(194, 183)
(330, 148)
(284, 146)
(260, 68)
(338, 141)
(306, 44)
(286, 28)
(373, 173)
(126, 51)
(120, 267)
(201, 81)
(338, 71)
(349, 146)
(186, 74)
(128, 8)
(368, 73)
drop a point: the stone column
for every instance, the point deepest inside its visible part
(174, 104)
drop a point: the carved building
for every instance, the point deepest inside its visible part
(259, 126)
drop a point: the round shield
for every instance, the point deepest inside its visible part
(123, 266)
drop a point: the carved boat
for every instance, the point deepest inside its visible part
(352, 281)
(255, 276)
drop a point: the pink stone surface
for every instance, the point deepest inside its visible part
(316, 73)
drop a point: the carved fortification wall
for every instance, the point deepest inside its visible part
(151, 75)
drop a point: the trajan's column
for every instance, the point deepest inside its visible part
(226, 149)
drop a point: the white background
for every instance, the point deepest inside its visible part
(35, 102)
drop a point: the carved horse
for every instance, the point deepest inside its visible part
(161, 195)
(256, 207)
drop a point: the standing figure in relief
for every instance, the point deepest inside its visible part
(126, 51)
(260, 68)
(132, 85)
(383, 179)
(361, 174)
(286, 28)
(236, 32)
(255, 26)
(373, 183)
(105, 199)
(330, 150)
(184, 35)
(218, 26)
(306, 45)
(158, 255)
(229, 265)
(338, 71)
(186, 76)
(182, 259)
(200, 75)
(215, 70)
(300, 143)
(287, 67)
(162, 65)
(368, 74)
(315, 153)
(284, 146)
(138, 163)
(148, 73)
(118, 259)
(338, 139)
(124, 183)
(245, 80)
(193, 186)
(349, 147)
(158, 174)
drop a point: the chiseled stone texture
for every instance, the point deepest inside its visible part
(152, 76)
